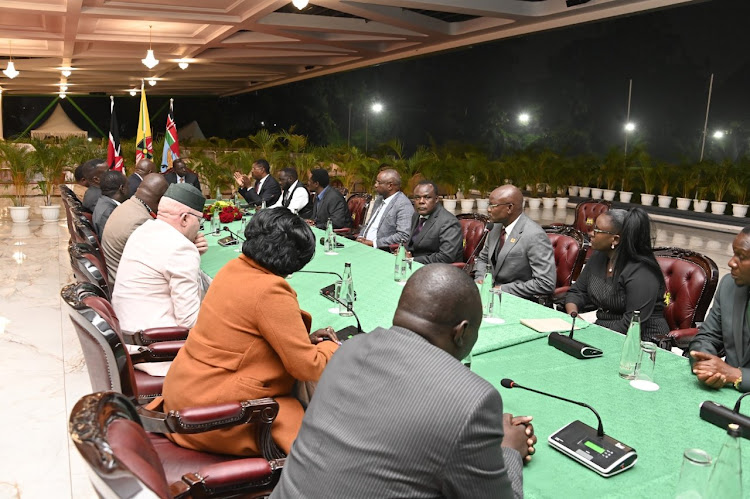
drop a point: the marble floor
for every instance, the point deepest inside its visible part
(43, 366)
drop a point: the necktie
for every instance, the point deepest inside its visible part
(498, 248)
(285, 202)
(418, 229)
(180, 180)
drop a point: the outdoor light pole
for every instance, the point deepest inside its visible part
(705, 123)
(376, 108)
(629, 127)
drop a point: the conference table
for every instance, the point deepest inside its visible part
(660, 425)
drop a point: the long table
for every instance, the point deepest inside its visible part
(659, 425)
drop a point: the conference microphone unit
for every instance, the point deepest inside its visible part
(722, 416)
(230, 240)
(344, 334)
(575, 348)
(590, 447)
(323, 243)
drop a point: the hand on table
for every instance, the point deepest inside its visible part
(364, 241)
(519, 435)
(201, 243)
(712, 371)
(323, 335)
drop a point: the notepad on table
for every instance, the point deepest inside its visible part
(547, 325)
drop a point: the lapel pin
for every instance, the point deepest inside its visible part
(512, 239)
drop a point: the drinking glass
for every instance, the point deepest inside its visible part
(696, 466)
(493, 310)
(644, 369)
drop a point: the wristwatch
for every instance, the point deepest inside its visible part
(737, 383)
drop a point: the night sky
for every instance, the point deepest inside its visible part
(573, 81)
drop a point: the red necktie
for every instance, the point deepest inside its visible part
(498, 248)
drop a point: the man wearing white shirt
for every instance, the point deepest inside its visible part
(390, 222)
(266, 187)
(294, 195)
(159, 279)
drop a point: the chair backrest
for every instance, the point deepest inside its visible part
(120, 456)
(567, 247)
(88, 268)
(690, 279)
(83, 232)
(587, 211)
(357, 204)
(472, 229)
(98, 330)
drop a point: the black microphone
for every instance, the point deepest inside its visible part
(319, 272)
(348, 331)
(323, 243)
(509, 383)
(574, 348)
(234, 234)
(722, 416)
(487, 228)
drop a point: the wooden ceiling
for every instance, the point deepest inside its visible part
(236, 46)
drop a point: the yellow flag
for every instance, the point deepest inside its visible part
(144, 147)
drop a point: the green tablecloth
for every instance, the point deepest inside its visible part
(659, 425)
(377, 293)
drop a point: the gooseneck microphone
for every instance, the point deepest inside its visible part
(347, 330)
(319, 272)
(722, 416)
(574, 348)
(234, 234)
(487, 229)
(509, 383)
(591, 448)
(573, 314)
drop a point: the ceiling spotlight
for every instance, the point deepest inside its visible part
(133, 92)
(300, 4)
(62, 95)
(10, 71)
(63, 88)
(66, 72)
(152, 81)
(182, 63)
(150, 61)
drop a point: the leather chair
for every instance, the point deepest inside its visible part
(568, 246)
(83, 232)
(587, 211)
(110, 365)
(691, 279)
(88, 268)
(357, 205)
(474, 235)
(126, 461)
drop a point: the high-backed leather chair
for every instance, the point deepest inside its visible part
(83, 232)
(88, 268)
(691, 279)
(126, 461)
(474, 235)
(587, 211)
(357, 205)
(568, 246)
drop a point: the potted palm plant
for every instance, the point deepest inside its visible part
(647, 172)
(50, 161)
(664, 176)
(720, 176)
(739, 185)
(687, 178)
(18, 158)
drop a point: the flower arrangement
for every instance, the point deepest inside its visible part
(228, 212)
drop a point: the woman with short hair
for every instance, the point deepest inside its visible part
(251, 338)
(622, 275)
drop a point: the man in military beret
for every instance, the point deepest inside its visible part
(159, 277)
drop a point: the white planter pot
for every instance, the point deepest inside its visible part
(664, 201)
(573, 190)
(596, 193)
(20, 214)
(50, 213)
(718, 207)
(467, 205)
(562, 203)
(585, 192)
(700, 205)
(625, 196)
(647, 199)
(534, 203)
(548, 203)
(482, 204)
(609, 194)
(739, 210)
(683, 203)
(449, 204)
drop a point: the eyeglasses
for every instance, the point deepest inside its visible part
(600, 231)
(199, 217)
(491, 206)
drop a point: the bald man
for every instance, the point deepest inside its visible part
(517, 248)
(129, 216)
(396, 414)
(142, 168)
(392, 211)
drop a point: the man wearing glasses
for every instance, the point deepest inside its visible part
(517, 249)
(159, 279)
(265, 188)
(392, 211)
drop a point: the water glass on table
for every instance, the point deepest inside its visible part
(493, 307)
(696, 467)
(644, 369)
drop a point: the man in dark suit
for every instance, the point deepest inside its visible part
(114, 192)
(143, 168)
(726, 327)
(517, 248)
(92, 171)
(448, 436)
(392, 211)
(265, 188)
(181, 175)
(327, 203)
(435, 233)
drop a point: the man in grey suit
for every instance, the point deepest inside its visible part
(435, 233)
(726, 327)
(181, 175)
(396, 414)
(328, 202)
(523, 263)
(390, 222)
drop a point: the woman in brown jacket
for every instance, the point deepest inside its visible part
(251, 338)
